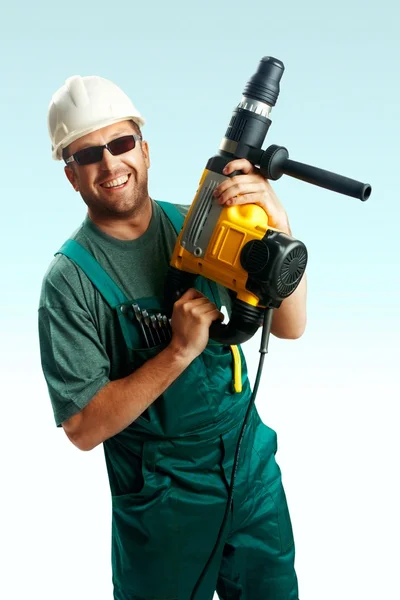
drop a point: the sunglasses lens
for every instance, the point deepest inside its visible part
(94, 154)
(89, 155)
(122, 144)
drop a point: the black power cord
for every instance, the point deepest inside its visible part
(263, 350)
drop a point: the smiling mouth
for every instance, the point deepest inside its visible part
(116, 184)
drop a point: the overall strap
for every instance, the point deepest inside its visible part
(101, 279)
(173, 214)
(177, 220)
(94, 271)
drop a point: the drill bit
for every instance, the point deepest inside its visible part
(147, 321)
(154, 324)
(161, 326)
(138, 316)
(167, 324)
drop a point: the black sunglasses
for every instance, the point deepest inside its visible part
(94, 154)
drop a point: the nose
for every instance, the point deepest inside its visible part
(108, 160)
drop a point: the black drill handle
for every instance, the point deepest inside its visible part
(243, 324)
(275, 162)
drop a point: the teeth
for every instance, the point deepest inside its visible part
(115, 182)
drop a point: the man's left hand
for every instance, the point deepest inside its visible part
(251, 188)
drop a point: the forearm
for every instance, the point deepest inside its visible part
(289, 320)
(121, 402)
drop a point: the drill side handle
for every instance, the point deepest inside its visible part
(275, 162)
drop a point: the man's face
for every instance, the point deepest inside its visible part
(96, 182)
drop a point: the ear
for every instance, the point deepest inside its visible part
(146, 153)
(71, 177)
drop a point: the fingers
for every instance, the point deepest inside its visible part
(196, 303)
(193, 298)
(190, 294)
(237, 189)
(212, 314)
(208, 310)
(251, 188)
(241, 180)
(200, 306)
(239, 164)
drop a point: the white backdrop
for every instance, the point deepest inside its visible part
(332, 395)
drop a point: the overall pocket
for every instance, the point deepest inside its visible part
(137, 334)
(269, 473)
(183, 405)
(226, 382)
(218, 363)
(199, 395)
(132, 473)
(146, 538)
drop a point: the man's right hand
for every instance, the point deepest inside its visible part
(122, 401)
(191, 319)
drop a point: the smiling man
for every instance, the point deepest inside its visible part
(166, 412)
(113, 194)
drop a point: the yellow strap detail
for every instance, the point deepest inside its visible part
(237, 369)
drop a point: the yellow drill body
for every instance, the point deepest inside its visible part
(231, 227)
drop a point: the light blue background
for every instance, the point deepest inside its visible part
(332, 394)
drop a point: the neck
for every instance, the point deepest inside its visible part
(125, 227)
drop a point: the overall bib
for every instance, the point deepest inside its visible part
(170, 470)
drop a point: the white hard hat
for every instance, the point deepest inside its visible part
(84, 104)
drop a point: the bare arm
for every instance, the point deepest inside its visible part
(289, 320)
(120, 402)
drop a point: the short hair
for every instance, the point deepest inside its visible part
(65, 151)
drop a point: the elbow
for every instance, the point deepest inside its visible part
(84, 445)
(293, 332)
(75, 432)
(296, 334)
(289, 335)
(80, 441)
(298, 331)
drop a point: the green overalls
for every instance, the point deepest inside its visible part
(169, 473)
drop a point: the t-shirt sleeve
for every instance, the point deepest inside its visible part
(74, 362)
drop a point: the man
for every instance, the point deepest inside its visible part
(167, 415)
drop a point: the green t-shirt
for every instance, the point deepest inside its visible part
(81, 343)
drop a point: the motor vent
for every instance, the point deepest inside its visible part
(292, 270)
